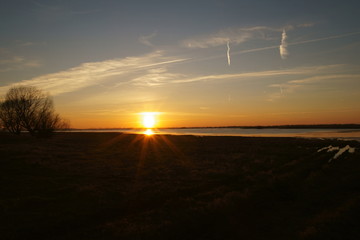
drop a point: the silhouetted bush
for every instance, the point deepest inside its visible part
(27, 108)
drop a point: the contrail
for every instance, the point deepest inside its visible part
(283, 46)
(275, 46)
(228, 52)
(326, 38)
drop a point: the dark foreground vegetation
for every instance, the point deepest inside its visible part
(27, 108)
(122, 186)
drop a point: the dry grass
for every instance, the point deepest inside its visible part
(123, 186)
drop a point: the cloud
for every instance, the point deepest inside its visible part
(94, 73)
(205, 42)
(292, 85)
(12, 60)
(326, 38)
(159, 76)
(61, 9)
(232, 35)
(283, 46)
(146, 39)
(22, 43)
(284, 90)
(261, 74)
(295, 43)
(17, 63)
(26, 44)
(324, 77)
(32, 63)
(305, 25)
(155, 77)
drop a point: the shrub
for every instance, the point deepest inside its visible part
(26, 108)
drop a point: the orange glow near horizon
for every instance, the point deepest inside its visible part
(149, 132)
(167, 119)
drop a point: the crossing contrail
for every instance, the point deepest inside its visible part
(228, 52)
(274, 47)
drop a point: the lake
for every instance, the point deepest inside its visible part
(351, 134)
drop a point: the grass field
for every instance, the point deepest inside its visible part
(124, 186)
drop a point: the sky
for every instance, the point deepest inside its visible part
(195, 63)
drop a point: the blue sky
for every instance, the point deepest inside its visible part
(197, 63)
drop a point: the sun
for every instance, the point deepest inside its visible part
(148, 119)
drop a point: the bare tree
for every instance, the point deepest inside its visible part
(9, 117)
(28, 108)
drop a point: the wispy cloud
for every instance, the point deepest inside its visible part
(146, 39)
(232, 35)
(277, 46)
(326, 38)
(296, 43)
(314, 79)
(261, 74)
(160, 76)
(147, 70)
(25, 44)
(93, 73)
(59, 9)
(305, 25)
(239, 35)
(155, 77)
(16, 63)
(283, 46)
(293, 85)
(22, 43)
(12, 60)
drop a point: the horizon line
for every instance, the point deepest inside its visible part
(356, 125)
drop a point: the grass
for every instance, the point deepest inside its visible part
(123, 186)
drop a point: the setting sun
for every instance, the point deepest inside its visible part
(148, 119)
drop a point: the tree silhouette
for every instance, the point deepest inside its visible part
(28, 108)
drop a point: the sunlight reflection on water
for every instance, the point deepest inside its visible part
(149, 132)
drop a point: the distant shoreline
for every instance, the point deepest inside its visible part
(320, 133)
(302, 126)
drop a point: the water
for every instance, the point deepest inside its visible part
(351, 134)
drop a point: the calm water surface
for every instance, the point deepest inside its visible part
(265, 132)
